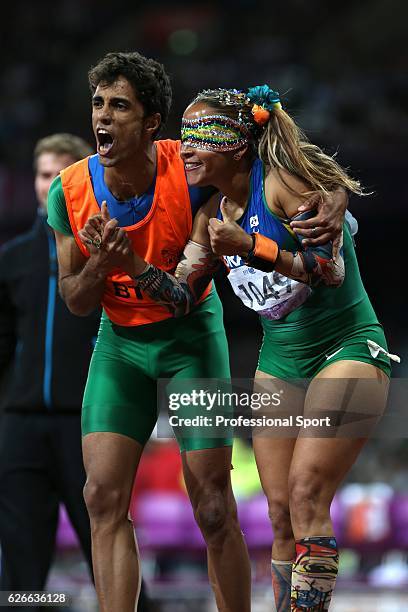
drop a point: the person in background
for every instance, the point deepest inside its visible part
(44, 355)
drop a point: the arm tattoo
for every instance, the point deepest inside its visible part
(317, 264)
(180, 292)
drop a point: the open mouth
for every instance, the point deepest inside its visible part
(105, 141)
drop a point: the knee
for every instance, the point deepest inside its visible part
(104, 500)
(211, 513)
(279, 515)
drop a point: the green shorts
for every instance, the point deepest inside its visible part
(121, 390)
(303, 352)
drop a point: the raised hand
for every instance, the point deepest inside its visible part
(226, 236)
(106, 242)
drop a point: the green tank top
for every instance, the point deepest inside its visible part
(346, 307)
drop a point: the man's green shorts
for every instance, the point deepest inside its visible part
(121, 391)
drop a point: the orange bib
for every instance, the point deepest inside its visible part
(159, 238)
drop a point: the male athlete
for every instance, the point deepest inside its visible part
(143, 183)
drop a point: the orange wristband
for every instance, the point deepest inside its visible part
(263, 254)
(265, 248)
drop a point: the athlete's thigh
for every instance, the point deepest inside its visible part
(205, 357)
(204, 366)
(347, 388)
(111, 461)
(119, 398)
(350, 395)
(273, 450)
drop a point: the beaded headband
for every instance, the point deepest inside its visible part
(214, 133)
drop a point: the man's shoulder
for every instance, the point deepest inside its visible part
(79, 170)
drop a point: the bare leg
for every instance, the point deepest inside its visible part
(318, 467)
(208, 481)
(320, 464)
(273, 456)
(111, 461)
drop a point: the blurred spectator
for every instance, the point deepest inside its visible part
(49, 351)
(46, 352)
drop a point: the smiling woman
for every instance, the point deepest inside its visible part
(245, 144)
(311, 332)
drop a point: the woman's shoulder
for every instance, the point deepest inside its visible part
(284, 191)
(286, 180)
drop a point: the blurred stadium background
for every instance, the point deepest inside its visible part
(342, 71)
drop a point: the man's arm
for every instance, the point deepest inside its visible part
(81, 280)
(178, 292)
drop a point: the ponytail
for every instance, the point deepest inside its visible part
(283, 145)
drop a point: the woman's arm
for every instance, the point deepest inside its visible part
(320, 261)
(310, 265)
(196, 268)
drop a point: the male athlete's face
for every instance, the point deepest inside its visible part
(118, 122)
(204, 167)
(48, 166)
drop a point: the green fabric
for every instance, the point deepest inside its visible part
(57, 209)
(310, 350)
(121, 395)
(331, 318)
(328, 302)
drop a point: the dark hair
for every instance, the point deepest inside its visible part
(147, 77)
(281, 143)
(62, 144)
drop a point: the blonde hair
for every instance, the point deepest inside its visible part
(62, 144)
(282, 144)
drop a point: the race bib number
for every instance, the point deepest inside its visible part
(270, 294)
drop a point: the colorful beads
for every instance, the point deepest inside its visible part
(214, 133)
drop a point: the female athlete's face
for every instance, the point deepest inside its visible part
(205, 167)
(119, 124)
